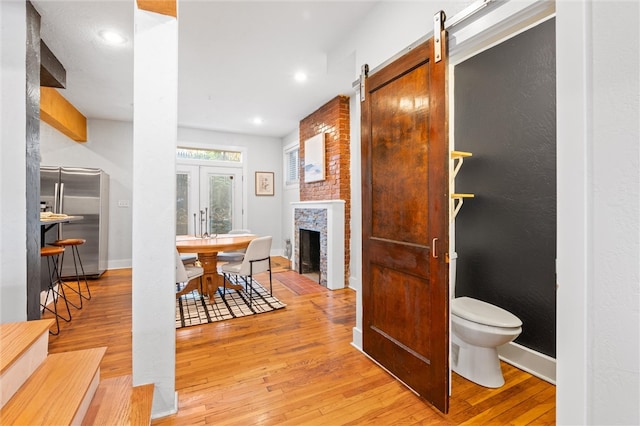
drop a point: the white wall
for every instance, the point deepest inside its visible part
(598, 212)
(355, 267)
(615, 374)
(13, 242)
(291, 193)
(390, 27)
(263, 154)
(109, 147)
(155, 123)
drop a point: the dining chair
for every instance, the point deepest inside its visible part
(233, 255)
(186, 273)
(189, 258)
(256, 259)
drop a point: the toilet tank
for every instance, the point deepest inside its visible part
(452, 274)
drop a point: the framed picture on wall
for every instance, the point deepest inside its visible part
(264, 183)
(314, 158)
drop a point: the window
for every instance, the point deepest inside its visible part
(209, 189)
(291, 165)
(208, 154)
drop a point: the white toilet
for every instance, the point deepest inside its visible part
(478, 328)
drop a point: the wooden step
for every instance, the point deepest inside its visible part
(118, 402)
(23, 347)
(58, 392)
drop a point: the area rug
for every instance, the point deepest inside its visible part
(195, 309)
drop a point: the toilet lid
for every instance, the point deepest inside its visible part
(483, 313)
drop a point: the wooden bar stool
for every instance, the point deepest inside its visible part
(55, 288)
(74, 243)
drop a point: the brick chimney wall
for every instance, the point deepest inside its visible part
(333, 119)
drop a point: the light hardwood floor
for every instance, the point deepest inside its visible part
(294, 366)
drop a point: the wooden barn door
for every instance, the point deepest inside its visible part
(405, 221)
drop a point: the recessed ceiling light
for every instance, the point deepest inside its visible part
(258, 120)
(112, 37)
(300, 76)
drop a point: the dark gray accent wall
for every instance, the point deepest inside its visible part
(33, 162)
(505, 114)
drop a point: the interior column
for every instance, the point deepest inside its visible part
(155, 97)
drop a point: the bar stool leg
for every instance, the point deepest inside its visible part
(74, 243)
(76, 253)
(64, 284)
(54, 279)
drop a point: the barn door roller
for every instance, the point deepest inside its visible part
(364, 71)
(438, 26)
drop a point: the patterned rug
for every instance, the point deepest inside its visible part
(195, 309)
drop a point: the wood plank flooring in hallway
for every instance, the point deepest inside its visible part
(295, 366)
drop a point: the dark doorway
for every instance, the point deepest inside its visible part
(309, 256)
(505, 113)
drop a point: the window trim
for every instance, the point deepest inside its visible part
(287, 150)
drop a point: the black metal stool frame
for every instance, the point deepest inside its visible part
(55, 279)
(76, 259)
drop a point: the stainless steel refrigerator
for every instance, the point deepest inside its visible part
(82, 192)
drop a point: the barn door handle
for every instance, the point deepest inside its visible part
(434, 252)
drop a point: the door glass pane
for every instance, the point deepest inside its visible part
(220, 204)
(182, 203)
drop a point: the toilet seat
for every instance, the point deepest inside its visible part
(483, 313)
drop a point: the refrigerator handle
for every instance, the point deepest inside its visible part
(55, 198)
(61, 198)
(61, 209)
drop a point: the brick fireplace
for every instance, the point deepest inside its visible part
(325, 205)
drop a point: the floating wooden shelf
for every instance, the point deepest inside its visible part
(458, 158)
(458, 154)
(457, 199)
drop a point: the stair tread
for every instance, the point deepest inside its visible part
(55, 391)
(117, 401)
(17, 337)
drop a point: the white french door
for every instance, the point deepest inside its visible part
(208, 199)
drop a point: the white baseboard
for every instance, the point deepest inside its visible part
(535, 363)
(119, 264)
(43, 297)
(353, 284)
(170, 411)
(357, 339)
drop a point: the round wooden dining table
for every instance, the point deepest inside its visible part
(207, 250)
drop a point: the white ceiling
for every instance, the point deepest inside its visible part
(236, 59)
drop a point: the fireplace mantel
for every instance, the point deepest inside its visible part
(334, 249)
